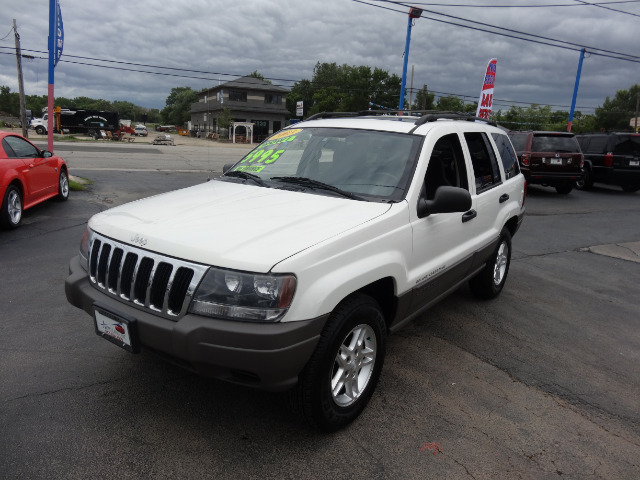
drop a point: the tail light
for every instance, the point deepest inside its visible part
(525, 158)
(608, 159)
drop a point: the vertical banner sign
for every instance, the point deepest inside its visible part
(59, 34)
(299, 108)
(485, 102)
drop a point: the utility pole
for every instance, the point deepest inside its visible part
(23, 108)
(413, 14)
(575, 90)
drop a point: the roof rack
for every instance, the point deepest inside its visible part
(452, 116)
(425, 116)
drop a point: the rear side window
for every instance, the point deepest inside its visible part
(595, 144)
(483, 158)
(627, 145)
(555, 143)
(507, 155)
(519, 140)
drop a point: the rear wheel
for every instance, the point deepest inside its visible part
(11, 213)
(564, 188)
(40, 130)
(491, 279)
(342, 373)
(586, 181)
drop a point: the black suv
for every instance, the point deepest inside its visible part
(612, 158)
(549, 158)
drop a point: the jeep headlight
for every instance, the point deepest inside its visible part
(245, 296)
(84, 249)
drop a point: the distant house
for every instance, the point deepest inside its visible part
(249, 99)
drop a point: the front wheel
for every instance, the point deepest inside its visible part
(63, 186)
(342, 373)
(11, 213)
(40, 130)
(491, 279)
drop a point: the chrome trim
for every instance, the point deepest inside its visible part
(127, 293)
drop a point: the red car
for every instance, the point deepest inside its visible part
(28, 176)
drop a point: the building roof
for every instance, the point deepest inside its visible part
(248, 83)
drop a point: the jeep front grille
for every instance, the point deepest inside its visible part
(148, 281)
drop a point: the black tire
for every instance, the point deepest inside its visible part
(630, 188)
(564, 189)
(11, 213)
(489, 282)
(40, 130)
(586, 181)
(356, 334)
(63, 186)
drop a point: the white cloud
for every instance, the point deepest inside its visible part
(285, 39)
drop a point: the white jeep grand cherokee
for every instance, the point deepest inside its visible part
(290, 270)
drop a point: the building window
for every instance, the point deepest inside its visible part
(272, 98)
(236, 96)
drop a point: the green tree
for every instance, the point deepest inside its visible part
(344, 88)
(424, 100)
(178, 105)
(9, 101)
(615, 114)
(259, 76)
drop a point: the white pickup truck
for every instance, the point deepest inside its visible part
(290, 270)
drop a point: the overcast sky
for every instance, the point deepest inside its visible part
(284, 39)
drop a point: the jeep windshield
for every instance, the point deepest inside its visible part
(364, 164)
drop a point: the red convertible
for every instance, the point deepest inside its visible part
(28, 176)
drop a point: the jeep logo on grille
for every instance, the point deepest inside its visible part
(138, 240)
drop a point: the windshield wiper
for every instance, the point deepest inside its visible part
(248, 176)
(309, 182)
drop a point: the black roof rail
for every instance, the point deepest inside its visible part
(331, 115)
(451, 116)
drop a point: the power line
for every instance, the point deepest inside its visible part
(567, 45)
(471, 5)
(606, 8)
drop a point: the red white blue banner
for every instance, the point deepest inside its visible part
(59, 41)
(485, 102)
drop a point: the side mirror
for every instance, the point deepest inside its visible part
(445, 200)
(46, 154)
(227, 167)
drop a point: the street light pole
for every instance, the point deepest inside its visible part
(413, 13)
(575, 90)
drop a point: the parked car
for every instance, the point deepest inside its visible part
(28, 176)
(549, 158)
(291, 269)
(141, 131)
(611, 158)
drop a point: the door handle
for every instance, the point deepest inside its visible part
(471, 214)
(504, 198)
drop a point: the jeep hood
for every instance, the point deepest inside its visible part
(233, 225)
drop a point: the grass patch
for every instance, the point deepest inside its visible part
(79, 184)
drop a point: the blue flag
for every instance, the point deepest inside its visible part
(59, 42)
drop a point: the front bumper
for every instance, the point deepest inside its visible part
(264, 355)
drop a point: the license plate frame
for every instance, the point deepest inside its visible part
(634, 163)
(556, 161)
(117, 328)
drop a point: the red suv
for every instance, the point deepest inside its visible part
(549, 158)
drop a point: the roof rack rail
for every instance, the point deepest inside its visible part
(331, 115)
(452, 116)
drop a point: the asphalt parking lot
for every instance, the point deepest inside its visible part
(542, 382)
